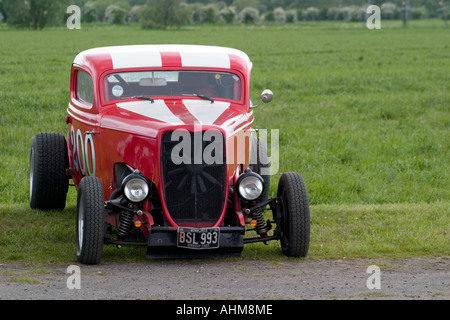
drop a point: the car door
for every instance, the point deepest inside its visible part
(82, 120)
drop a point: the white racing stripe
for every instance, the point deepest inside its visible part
(138, 57)
(205, 111)
(142, 56)
(196, 59)
(157, 110)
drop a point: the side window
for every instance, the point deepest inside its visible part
(85, 87)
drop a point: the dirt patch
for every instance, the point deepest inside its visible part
(417, 279)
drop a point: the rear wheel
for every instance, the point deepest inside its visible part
(91, 220)
(295, 219)
(48, 163)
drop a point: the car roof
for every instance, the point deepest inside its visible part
(98, 60)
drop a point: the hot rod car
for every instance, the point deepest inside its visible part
(162, 152)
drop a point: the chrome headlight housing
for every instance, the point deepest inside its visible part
(250, 186)
(135, 187)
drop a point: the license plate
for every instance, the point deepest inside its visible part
(198, 238)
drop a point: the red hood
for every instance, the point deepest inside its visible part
(147, 119)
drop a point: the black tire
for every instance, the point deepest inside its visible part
(259, 163)
(91, 220)
(295, 219)
(48, 179)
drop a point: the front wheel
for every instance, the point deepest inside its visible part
(91, 220)
(295, 220)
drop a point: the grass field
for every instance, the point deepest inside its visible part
(363, 115)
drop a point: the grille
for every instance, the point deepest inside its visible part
(194, 185)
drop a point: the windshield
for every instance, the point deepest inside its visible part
(154, 84)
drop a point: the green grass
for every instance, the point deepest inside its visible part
(337, 232)
(362, 114)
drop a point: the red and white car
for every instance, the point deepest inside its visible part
(162, 151)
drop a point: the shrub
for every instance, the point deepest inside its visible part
(89, 13)
(279, 15)
(207, 14)
(388, 10)
(164, 14)
(132, 15)
(35, 15)
(248, 15)
(228, 14)
(419, 13)
(354, 13)
(145, 17)
(291, 16)
(115, 14)
(334, 14)
(323, 14)
(269, 16)
(310, 14)
(350, 13)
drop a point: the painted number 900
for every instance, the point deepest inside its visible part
(83, 152)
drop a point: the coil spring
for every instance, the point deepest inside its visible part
(126, 223)
(261, 227)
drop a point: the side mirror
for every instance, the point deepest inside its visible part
(266, 97)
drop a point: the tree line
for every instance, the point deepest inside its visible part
(36, 14)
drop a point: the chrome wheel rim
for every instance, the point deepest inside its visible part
(80, 224)
(31, 172)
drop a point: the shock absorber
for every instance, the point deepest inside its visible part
(261, 227)
(126, 223)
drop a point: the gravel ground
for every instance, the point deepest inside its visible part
(404, 279)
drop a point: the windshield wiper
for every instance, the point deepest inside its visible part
(145, 98)
(198, 95)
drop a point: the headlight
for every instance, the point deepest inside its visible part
(135, 187)
(250, 186)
